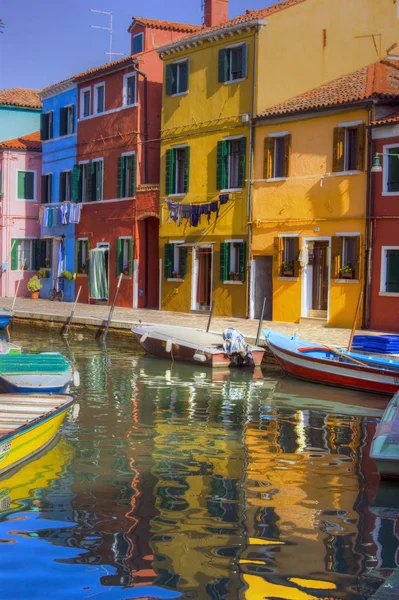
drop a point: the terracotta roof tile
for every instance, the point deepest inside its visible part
(388, 120)
(249, 15)
(165, 25)
(380, 80)
(26, 142)
(20, 97)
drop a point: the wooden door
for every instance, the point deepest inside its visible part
(320, 276)
(204, 256)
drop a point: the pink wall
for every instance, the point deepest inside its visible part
(19, 218)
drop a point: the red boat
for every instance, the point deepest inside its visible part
(191, 345)
(331, 366)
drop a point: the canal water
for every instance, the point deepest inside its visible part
(178, 482)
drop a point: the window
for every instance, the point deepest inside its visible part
(177, 78)
(67, 118)
(138, 43)
(65, 186)
(232, 63)
(124, 262)
(46, 188)
(82, 256)
(46, 126)
(127, 176)
(286, 252)
(99, 98)
(391, 170)
(129, 90)
(85, 103)
(231, 164)
(97, 169)
(87, 183)
(30, 255)
(26, 185)
(345, 254)
(175, 266)
(277, 153)
(232, 261)
(349, 148)
(177, 170)
(390, 269)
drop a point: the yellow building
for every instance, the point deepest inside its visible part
(216, 80)
(312, 187)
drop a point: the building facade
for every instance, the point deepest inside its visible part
(22, 251)
(58, 221)
(20, 110)
(384, 291)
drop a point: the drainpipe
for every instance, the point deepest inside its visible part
(369, 224)
(145, 111)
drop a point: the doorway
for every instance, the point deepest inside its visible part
(263, 283)
(320, 276)
(202, 278)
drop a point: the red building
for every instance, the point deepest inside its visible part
(116, 177)
(384, 305)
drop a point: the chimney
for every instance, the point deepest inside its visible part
(215, 12)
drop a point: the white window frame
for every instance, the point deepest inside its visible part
(30, 267)
(47, 113)
(178, 62)
(231, 138)
(141, 34)
(230, 81)
(348, 125)
(383, 291)
(176, 258)
(232, 265)
(177, 194)
(125, 79)
(95, 160)
(130, 153)
(126, 238)
(83, 162)
(73, 120)
(46, 175)
(82, 106)
(34, 187)
(86, 255)
(95, 89)
(70, 195)
(385, 169)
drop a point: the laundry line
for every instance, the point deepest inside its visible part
(194, 211)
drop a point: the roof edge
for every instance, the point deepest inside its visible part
(314, 110)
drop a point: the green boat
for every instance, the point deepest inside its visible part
(48, 373)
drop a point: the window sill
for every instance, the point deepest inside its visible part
(233, 282)
(182, 195)
(277, 179)
(179, 94)
(230, 190)
(345, 173)
(390, 194)
(346, 280)
(230, 81)
(26, 200)
(175, 279)
(81, 275)
(389, 294)
(288, 278)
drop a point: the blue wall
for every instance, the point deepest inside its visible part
(15, 122)
(59, 154)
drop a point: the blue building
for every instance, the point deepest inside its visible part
(59, 137)
(20, 111)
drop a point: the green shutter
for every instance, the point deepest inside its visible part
(224, 261)
(79, 256)
(169, 259)
(170, 79)
(21, 184)
(392, 272)
(244, 60)
(90, 193)
(243, 162)
(121, 176)
(241, 260)
(132, 166)
(170, 183)
(77, 183)
(223, 69)
(186, 169)
(119, 257)
(98, 179)
(182, 262)
(221, 173)
(15, 244)
(131, 256)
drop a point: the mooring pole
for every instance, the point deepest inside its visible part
(111, 312)
(65, 330)
(210, 317)
(260, 322)
(355, 322)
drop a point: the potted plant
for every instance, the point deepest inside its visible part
(66, 275)
(83, 269)
(176, 275)
(43, 273)
(346, 272)
(34, 286)
(288, 268)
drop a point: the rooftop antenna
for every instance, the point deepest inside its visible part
(110, 29)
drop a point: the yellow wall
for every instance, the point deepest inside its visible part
(293, 59)
(312, 197)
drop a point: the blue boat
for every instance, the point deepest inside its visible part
(5, 318)
(48, 373)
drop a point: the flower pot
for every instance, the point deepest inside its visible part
(34, 295)
(288, 273)
(236, 278)
(347, 275)
(125, 272)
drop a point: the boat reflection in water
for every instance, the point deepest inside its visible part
(215, 485)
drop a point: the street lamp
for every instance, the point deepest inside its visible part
(377, 168)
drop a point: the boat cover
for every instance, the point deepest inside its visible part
(234, 343)
(33, 363)
(382, 344)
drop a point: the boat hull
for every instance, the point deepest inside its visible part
(35, 383)
(181, 352)
(338, 374)
(5, 321)
(26, 442)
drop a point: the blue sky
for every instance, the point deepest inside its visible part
(45, 41)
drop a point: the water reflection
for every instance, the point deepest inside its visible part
(211, 485)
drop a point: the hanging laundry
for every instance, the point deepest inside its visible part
(195, 215)
(174, 211)
(186, 210)
(74, 213)
(40, 218)
(223, 198)
(50, 219)
(64, 214)
(214, 208)
(205, 209)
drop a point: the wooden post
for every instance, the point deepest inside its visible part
(355, 322)
(210, 317)
(111, 312)
(65, 329)
(260, 322)
(16, 293)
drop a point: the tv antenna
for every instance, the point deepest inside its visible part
(110, 29)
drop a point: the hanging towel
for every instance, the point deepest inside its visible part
(223, 198)
(50, 218)
(45, 217)
(195, 215)
(64, 214)
(214, 208)
(74, 213)
(40, 215)
(175, 211)
(304, 256)
(186, 211)
(205, 209)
